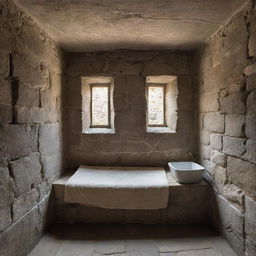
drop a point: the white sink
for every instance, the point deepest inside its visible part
(186, 172)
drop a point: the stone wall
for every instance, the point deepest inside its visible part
(30, 129)
(131, 144)
(227, 113)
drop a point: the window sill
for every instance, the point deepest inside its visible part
(160, 130)
(99, 130)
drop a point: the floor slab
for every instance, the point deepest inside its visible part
(131, 240)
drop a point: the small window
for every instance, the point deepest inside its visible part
(161, 94)
(100, 105)
(156, 105)
(97, 104)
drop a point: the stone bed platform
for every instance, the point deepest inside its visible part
(188, 204)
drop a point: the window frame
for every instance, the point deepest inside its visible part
(108, 86)
(162, 85)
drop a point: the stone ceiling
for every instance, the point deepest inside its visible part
(94, 25)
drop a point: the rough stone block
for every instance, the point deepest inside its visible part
(249, 70)
(252, 36)
(230, 222)
(26, 172)
(36, 115)
(234, 125)
(219, 158)
(21, 237)
(18, 140)
(6, 187)
(251, 82)
(214, 122)
(205, 152)
(204, 137)
(251, 102)
(242, 173)
(50, 138)
(220, 176)
(5, 92)
(234, 195)
(233, 104)
(250, 126)
(5, 218)
(216, 141)
(234, 146)
(52, 165)
(250, 226)
(24, 203)
(209, 102)
(250, 151)
(4, 65)
(27, 96)
(5, 114)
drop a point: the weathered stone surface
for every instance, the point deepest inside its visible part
(205, 152)
(230, 221)
(249, 70)
(36, 115)
(52, 164)
(6, 187)
(26, 172)
(251, 82)
(219, 158)
(250, 226)
(234, 195)
(233, 104)
(27, 96)
(250, 124)
(252, 36)
(5, 114)
(4, 65)
(21, 237)
(242, 174)
(204, 137)
(5, 92)
(214, 122)
(25, 138)
(209, 102)
(24, 203)
(234, 125)
(250, 151)
(251, 102)
(234, 146)
(220, 176)
(5, 217)
(216, 141)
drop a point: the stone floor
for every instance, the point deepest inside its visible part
(131, 240)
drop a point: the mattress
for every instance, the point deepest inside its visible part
(118, 187)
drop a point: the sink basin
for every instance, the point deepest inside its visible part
(186, 172)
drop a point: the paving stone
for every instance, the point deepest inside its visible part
(26, 172)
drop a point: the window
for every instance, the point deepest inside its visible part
(97, 104)
(100, 105)
(161, 94)
(156, 105)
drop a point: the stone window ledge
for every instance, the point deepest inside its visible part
(99, 130)
(160, 130)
